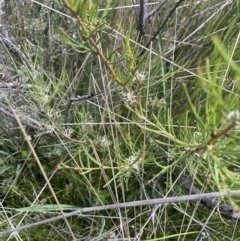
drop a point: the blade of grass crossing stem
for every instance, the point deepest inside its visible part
(192, 107)
(164, 72)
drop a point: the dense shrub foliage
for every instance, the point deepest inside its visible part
(107, 102)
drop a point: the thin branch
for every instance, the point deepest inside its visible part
(186, 182)
(9, 114)
(142, 18)
(184, 198)
(13, 85)
(95, 45)
(143, 15)
(156, 9)
(216, 136)
(77, 99)
(161, 27)
(29, 125)
(41, 169)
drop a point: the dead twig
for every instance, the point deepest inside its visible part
(77, 99)
(81, 211)
(142, 51)
(155, 10)
(142, 17)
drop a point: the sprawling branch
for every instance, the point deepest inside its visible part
(80, 211)
(142, 51)
(94, 44)
(155, 10)
(186, 182)
(142, 17)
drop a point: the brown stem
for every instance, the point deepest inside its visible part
(94, 44)
(215, 137)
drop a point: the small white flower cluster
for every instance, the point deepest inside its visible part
(139, 77)
(104, 141)
(132, 159)
(129, 98)
(234, 117)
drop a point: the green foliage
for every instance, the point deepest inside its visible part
(184, 94)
